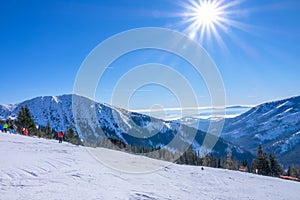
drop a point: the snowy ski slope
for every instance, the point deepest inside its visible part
(33, 168)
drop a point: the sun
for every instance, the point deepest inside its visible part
(206, 19)
(206, 14)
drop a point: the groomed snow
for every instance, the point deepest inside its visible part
(32, 168)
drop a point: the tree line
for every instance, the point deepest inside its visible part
(262, 164)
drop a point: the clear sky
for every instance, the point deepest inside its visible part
(43, 43)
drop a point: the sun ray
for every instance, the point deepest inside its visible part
(206, 19)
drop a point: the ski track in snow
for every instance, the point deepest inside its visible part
(32, 168)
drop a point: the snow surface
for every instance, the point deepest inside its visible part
(32, 168)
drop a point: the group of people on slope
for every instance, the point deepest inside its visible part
(4, 127)
(60, 135)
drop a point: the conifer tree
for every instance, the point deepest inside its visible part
(70, 134)
(48, 133)
(24, 120)
(212, 161)
(275, 167)
(219, 163)
(235, 164)
(77, 141)
(205, 161)
(73, 138)
(229, 163)
(293, 171)
(261, 163)
(190, 156)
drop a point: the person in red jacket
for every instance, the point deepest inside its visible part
(26, 131)
(60, 136)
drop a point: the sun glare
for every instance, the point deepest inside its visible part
(206, 14)
(205, 19)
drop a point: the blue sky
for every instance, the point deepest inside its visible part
(43, 43)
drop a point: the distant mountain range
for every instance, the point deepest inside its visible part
(197, 113)
(275, 125)
(115, 123)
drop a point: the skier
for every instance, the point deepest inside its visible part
(5, 126)
(23, 131)
(26, 131)
(11, 129)
(60, 136)
(1, 127)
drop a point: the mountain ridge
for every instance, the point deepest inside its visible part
(112, 122)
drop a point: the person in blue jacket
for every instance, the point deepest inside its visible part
(11, 129)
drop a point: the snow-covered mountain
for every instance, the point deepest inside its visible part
(95, 120)
(33, 168)
(56, 110)
(275, 125)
